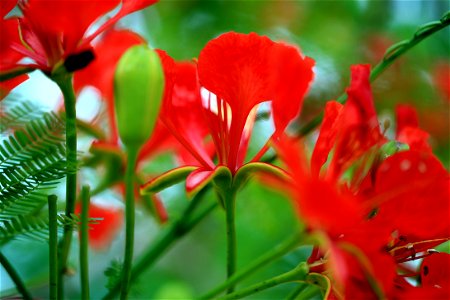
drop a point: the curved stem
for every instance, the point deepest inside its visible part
(166, 239)
(129, 221)
(15, 277)
(277, 252)
(53, 246)
(391, 55)
(297, 274)
(84, 270)
(64, 81)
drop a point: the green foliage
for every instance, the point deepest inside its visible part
(113, 273)
(32, 161)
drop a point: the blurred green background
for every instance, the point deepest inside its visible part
(337, 34)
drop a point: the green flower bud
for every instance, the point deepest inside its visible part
(138, 92)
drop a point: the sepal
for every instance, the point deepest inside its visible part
(166, 180)
(244, 173)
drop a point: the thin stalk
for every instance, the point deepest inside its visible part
(277, 252)
(230, 207)
(64, 81)
(129, 221)
(297, 274)
(15, 277)
(166, 239)
(84, 228)
(391, 55)
(53, 246)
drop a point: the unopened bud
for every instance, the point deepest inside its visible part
(138, 92)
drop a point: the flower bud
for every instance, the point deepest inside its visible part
(138, 92)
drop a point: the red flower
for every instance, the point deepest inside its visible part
(103, 233)
(236, 72)
(351, 129)
(58, 31)
(365, 237)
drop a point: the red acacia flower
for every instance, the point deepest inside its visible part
(236, 72)
(350, 130)
(365, 238)
(103, 232)
(54, 32)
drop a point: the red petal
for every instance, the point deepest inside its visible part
(234, 67)
(182, 110)
(128, 7)
(197, 180)
(327, 136)
(435, 271)
(406, 116)
(359, 129)
(59, 25)
(6, 7)
(291, 77)
(100, 73)
(102, 234)
(8, 85)
(10, 37)
(412, 186)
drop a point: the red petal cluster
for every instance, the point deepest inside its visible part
(365, 238)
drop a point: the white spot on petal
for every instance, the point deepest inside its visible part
(422, 167)
(405, 165)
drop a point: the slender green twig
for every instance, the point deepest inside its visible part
(15, 277)
(297, 274)
(182, 225)
(129, 220)
(281, 249)
(230, 205)
(64, 81)
(53, 246)
(391, 55)
(84, 228)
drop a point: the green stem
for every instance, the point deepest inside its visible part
(277, 252)
(166, 239)
(297, 274)
(230, 205)
(53, 246)
(84, 270)
(391, 55)
(15, 277)
(129, 220)
(64, 81)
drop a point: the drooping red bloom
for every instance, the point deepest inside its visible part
(103, 233)
(236, 73)
(349, 129)
(364, 239)
(55, 32)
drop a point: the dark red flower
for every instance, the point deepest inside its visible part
(55, 32)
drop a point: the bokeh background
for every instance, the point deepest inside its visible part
(337, 34)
